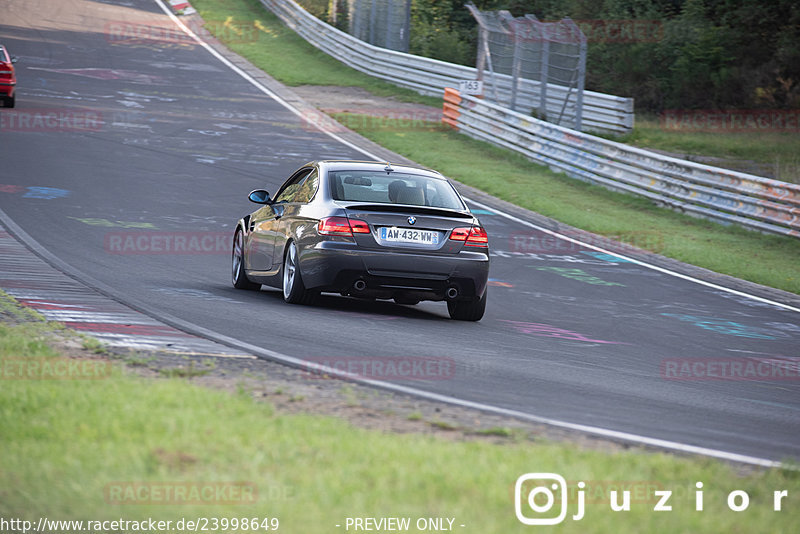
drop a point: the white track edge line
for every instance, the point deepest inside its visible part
(299, 363)
(255, 82)
(634, 260)
(691, 449)
(369, 154)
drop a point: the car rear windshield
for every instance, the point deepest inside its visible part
(394, 188)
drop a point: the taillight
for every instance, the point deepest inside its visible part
(359, 227)
(472, 237)
(342, 226)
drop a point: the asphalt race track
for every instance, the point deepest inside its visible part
(160, 136)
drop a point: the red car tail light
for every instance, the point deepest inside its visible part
(475, 236)
(334, 226)
(359, 227)
(341, 226)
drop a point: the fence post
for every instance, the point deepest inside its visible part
(373, 17)
(516, 65)
(355, 21)
(389, 13)
(544, 72)
(581, 78)
(407, 28)
(484, 53)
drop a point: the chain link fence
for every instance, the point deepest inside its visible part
(384, 23)
(545, 61)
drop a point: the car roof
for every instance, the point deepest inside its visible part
(357, 165)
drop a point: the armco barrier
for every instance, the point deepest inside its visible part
(728, 196)
(601, 112)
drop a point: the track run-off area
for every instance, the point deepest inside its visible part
(127, 162)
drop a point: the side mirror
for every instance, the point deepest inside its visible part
(259, 196)
(14, 59)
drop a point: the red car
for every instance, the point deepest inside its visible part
(8, 81)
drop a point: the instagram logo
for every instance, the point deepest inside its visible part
(541, 499)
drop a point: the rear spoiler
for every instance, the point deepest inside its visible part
(407, 208)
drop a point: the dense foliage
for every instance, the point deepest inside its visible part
(705, 54)
(699, 54)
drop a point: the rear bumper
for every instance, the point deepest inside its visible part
(7, 88)
(335, 266)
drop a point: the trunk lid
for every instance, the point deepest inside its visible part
(409, 228)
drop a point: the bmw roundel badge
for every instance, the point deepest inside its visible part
(412, 220)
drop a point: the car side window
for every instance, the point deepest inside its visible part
(307, 188)
(290, 188)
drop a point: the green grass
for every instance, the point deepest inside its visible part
(286, 56)
(765, 259)
(66, 444)
(778, 152)
(289, 58)
(93, 345)
(183, 372)
(10, 310)
(497, 431)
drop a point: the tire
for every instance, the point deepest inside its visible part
(238, 275)
(468, 310)
(294, 291)
(11, 102)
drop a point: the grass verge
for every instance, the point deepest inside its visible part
(247, 28)
(259, 35)
(122, 446)
(756, 152)
(764, 259)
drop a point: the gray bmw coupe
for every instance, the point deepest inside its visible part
(367, 230)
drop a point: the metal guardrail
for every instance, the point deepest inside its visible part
(728, 196)
(601, 112)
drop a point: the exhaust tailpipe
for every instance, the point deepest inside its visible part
(360, 285)
(452, 292)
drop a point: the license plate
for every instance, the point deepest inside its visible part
(408, 235)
